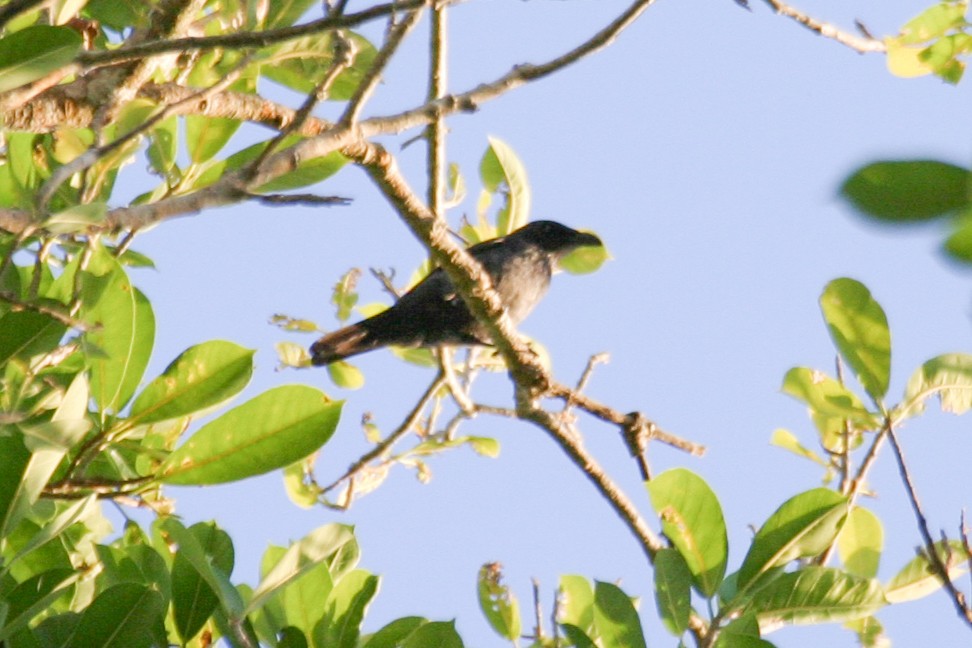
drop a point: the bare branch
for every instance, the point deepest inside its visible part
(54, 313)
(244, 40)
(393, 438)
(860, 44)
(367, 85)
(931, 552)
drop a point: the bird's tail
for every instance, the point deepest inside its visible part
(344, 343)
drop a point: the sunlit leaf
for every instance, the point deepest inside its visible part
(673, 590)
(346, 375)
(692, 519)
(333, 544)
(585, 259)
(576, 602)
(206, 136)
(501, 170)
(33, 52)
(119, 344)
(193, 599)
(804, 525)
(498, 603)
(947, 376)
(615, 618)
(816, 595)
(917, 579)
(860, 542)
(788, 441)
(201, 377)
(859, 329)
(270, 431)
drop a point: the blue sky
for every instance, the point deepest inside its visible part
(705, 147)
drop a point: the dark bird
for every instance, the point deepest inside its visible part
(433, 313)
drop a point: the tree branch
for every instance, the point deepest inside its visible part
(931, 552)
(856, 43)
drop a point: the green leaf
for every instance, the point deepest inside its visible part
(498, 603)
(859, 328)
(271, 431)
(202, 377)
(576, 602)
(692, 519)
(917, 580)
(949, 377)
(284, 13)
(804, 525)
(122, 616)
(301, 603)
(788, 441)
(163, 145)
(584, 259)
(76, 218)
(615, 618)
(485, 446)
(193, 599)
(934, 22)
(816, 595)
(333, 544)
(27, 333)
(826, 397)
(52, 529)
(860, 542)
(394, 634)
(441, 634)
(346, 607)
(346, 375)
(673, 590)
(870, 632)
(206, 136)
(577, 637)
(210, 553)
(300, 492)
(120, 343)
(35, 595)
(501, 169)
(34, 52)
(308, 172)
(742, 632)
(907, 190)
(300, 62)
(958, 244)
(16, 459)
(344, 296)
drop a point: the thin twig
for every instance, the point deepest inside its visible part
(537, 613)
(392, 438)
(856, 43)
(435, 132)
(53, 313)
(367, 85)
(243, 40)
(343, 56)
(931, 552)
(312, 200)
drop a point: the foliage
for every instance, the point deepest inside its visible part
(79, 424)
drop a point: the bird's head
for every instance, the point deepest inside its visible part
(554, 238)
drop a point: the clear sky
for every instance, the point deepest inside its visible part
(705, 147)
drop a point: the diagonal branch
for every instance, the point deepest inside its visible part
(857, 43)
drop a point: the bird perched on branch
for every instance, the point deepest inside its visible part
(433, 313)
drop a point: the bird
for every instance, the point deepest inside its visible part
(433, 314)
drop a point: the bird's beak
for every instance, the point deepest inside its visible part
(585, 239)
